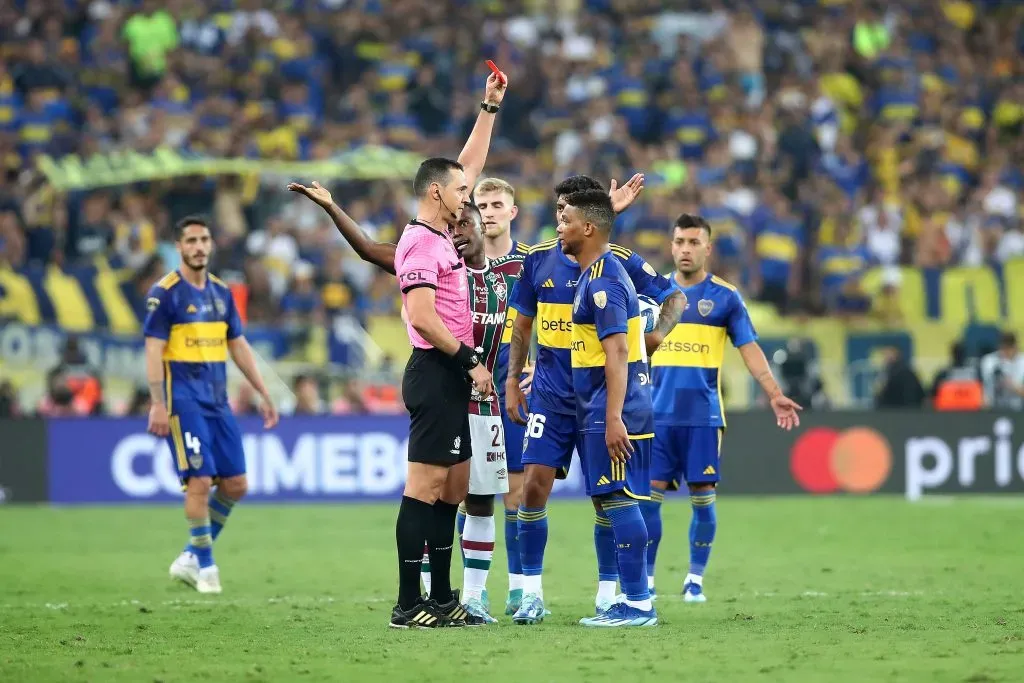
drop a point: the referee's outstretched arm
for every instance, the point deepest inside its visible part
(380, 254)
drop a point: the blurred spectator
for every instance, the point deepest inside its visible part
(8, 400)
(351, 401)
(139, 405)
(901, 387)
(799, 375)
(1002, 375)
(307, 396)
(958, 385)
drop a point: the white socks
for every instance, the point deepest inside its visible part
(478, 547)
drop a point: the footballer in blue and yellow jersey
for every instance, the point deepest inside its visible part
(606, 303)
(545, 291)
(689, 416)
(191, 328)
(613, 413)
(197, 325)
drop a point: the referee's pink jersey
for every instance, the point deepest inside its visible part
(427, 258)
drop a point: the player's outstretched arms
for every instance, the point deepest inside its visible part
(519, 348)
(242, 355)
(159, 420)
(380, 254)
(671, 309)
(785, 409)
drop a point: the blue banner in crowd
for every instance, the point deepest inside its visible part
(302, 459)
(41, 346)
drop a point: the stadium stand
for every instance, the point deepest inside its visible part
(860, 161)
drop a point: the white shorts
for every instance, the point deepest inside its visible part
(488, 473)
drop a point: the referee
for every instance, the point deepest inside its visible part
(442, 371)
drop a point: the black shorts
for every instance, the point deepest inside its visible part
(436, 392)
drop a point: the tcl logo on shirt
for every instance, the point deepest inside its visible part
(414, 276)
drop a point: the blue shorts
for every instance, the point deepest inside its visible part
(206, 446)
(690, 454)
(550, 440)
(514, 435)
(602, 476)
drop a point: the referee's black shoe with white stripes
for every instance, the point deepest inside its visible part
(455, 611)
(424, 614)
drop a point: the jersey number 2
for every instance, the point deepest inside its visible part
(496, 431)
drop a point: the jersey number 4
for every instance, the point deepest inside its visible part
(192, 443)
(535, 426)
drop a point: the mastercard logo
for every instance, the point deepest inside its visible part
(825, 460)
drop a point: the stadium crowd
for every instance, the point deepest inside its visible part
(817, 136)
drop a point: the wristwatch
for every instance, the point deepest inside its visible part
(490, 108)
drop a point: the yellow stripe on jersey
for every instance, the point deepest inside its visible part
(197, 343)
(691, 345)
(555, 325)
(587, 351)
(216, 280)
(719, 281)
(167, 379)
(622, 252)
(179, 443)
(172, 278)
(522, 248)
(543, 246)
(510, 318)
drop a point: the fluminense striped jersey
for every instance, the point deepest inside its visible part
(511, 264)
(489, 291)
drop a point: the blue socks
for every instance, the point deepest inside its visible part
(702, 530)
(651, 510)
(220, 508)
(631, 547)
(201, 542)
(460, 525)
(604, 545)
(533, 538)
(515, 562)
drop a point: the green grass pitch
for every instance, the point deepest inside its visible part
(801, 589)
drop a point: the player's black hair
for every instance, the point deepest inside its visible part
(474, 209)
(179, 227)
(687, 220)
(595, 206)
(434, 170)
(577, 183)
(1007, 340)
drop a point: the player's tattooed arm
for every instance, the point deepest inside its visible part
(519, 348)
(671, 309)
(380, 254)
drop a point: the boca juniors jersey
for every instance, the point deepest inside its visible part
(606, 304)
(545, 291)
(489, 290)
(197, 325)
(686, 370)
